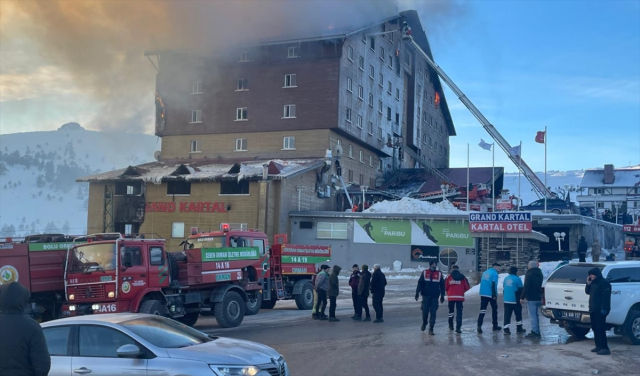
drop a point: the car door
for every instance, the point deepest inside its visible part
(625, 284)
(134, 274)
(58, 343)
(158, 267)
(96, 353)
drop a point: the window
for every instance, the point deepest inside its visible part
(290, 80)
(383, 28)
(419, 90)
(390, 61)
(359, 121)
(370, 160)
(397, 94)
(572, 273)
(293, 52)
(418, 134)
(350, 53)
(177, 230)
(370, 100)
(430, 121)
(241, 113)
(397, 118)
(424, 138)
(131, 256)
(156, 256)
(380, 133)
(418, 114)
(349, 84)
(131, 188)
(289, 111)
(196, 88)
(350, 176)
(380, 164)
(241, 144)
(329, 230)
(449, 256)
(372, 71)
(289, 143)
(196, 116)
(372, 182)
(380, 79)
(57, 339)
(196, 146)
(381, 53)
(234, 187)
(178, 187)
(244, 56)
(361, 180)
(361, 63)
(419, 69)
(339, 142)
(260, 244)
(370, 128)
(380, 106)
(388, 113)
(361, 156)
(364, 38)
(100, 341)
(360, 92)
(389, 87)
(351, 151)
(348, 115)
(242, 85)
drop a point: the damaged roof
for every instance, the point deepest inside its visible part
(204, 170)
(409, 181)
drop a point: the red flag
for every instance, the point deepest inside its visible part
(437, 99)
(540, 137)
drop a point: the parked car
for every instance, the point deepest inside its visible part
(136, 344)
(567, 304)
(586, 211)
(554, 205)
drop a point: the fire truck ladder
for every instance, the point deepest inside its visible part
(277, 276)
(536, 183)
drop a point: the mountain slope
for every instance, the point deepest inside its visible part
(555, 179)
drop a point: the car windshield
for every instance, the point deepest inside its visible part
(93, 257)
(572, 273)
(166, 333)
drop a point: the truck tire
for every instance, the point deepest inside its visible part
(576, 331)
(174, 271)
(631, 330)
(152, 307)
(304, 300)
(254, 304)
(189, 319)
(230, 312)
(269, 304)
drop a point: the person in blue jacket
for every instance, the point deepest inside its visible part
(489, 295)
(512, 290)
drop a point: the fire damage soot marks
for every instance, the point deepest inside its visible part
(500, 222)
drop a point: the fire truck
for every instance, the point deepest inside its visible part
(631, 241)
(37, 263)
(227, 274)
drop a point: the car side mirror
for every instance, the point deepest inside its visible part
(129, 351)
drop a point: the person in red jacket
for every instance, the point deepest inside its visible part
(456, 285)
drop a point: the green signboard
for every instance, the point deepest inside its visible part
(382, 231)
(230, 254)
(52, 246)
(304, 259)
(449, 233)
(412, 232)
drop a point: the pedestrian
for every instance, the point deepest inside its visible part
(512, 287)
(315, 295)
(489, 295)
(430, 286)
(599, 291)
(23, 348)
(334, 291)
(322, 286)
(582, 249)
(378, 282)
(353, 282)
(596, 250)
(456, 285)
(532, 293)
(363, 294)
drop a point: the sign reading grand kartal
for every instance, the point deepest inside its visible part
(500, 222)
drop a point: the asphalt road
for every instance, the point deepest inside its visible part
(398, 347)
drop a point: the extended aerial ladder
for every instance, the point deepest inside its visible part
(538, 186)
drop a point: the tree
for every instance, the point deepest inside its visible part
(40, 181)
(66, 228)
(3, 168)
(49, 172)
(7, 231)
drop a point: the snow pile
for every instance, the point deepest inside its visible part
(412, 206)
(476, 289)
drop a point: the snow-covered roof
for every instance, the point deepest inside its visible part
(622, 178)
(207, 170)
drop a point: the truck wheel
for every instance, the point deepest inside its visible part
(253, 304)
(269, 304)
(230, 312)
(631, 331)
(577, 331)
(304, 300)
(152, 307)
(189, 319)
(174, 271)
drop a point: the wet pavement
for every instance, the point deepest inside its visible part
(398, 347)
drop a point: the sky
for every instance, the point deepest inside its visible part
(571, 66)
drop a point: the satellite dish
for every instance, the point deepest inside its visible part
(156, 155)
(337, 151)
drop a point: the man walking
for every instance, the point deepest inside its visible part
(489, 295)
(363, 294)
(353, 282)
(456, 285)
(596, 250)
(532, 293)
(582, 249)
(322, 286)
(23, 349)
(378, 282)
(599, 291)
(334, 291)
(512, 290)
(430, 286)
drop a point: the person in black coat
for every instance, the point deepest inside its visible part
(363, 294)
(23, 348)
(353, 282)
(378, 282)
(582, 249)
(599, 291)
(430, 286)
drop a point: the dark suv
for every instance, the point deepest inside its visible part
(554, 205)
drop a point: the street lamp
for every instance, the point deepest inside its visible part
(559, 237)
(364, 190)
(617, 204)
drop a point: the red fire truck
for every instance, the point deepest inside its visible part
(631, 241)
(226, 274)
(37, 262)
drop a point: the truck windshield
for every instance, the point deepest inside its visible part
(93, 257)
(209, 242)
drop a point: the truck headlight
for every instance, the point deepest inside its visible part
(111, 294)
(71, 297)
(95, 307)
(72, 308)
(236, 371)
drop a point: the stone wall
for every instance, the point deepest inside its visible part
(507, 252)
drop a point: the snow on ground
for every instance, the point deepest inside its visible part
(412, 206)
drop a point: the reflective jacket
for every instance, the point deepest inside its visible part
(456, 285)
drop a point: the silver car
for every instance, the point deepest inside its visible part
(137, 344)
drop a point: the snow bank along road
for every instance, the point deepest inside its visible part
(398, 347)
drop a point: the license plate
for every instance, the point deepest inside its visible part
(571, 315)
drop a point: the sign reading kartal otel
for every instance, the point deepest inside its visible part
(500, 222)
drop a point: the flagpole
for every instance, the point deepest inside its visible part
(519, 174)
(468, 177)
(545, 168)
(493, 177)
